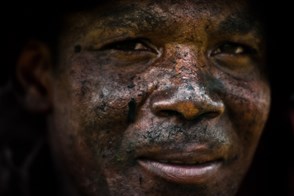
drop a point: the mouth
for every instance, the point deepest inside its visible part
(182, 168)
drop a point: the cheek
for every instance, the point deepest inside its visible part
(247, 106)
(92, 108)
(100, 104)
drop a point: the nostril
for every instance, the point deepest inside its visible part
(177, 105)
(182, 109)
(186, 113)
(168, 113)
(208, 115)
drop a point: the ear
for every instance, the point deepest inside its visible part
(33, 75)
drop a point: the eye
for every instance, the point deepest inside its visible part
(231, 48)
(236, 59)
(130, 45)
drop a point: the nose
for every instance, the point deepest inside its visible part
(187, 101)
(187, 89)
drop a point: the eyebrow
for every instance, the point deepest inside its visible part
(148, 21)
(240, 23)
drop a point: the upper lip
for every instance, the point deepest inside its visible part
(196, 155)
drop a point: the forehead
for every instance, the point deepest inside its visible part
(151, 15)
(176, 8)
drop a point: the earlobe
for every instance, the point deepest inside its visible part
(33, 75)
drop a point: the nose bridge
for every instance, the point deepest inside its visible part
(188, 61)
(187, 93)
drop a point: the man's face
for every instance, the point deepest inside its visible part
(159, 97)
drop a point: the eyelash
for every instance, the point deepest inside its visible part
(231, 48)
(130, 45)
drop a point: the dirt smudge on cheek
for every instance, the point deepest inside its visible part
(132, 110)
(77, 48)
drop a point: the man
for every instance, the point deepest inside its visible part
(151, 97)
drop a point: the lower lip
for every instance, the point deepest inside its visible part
(182, 174)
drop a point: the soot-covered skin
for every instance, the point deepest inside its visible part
(159, 97)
